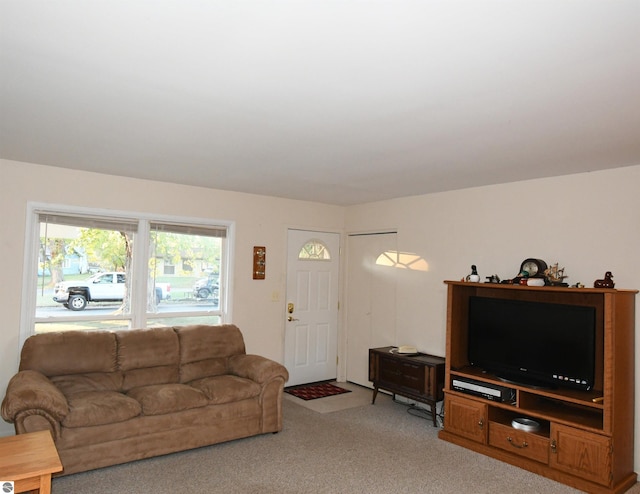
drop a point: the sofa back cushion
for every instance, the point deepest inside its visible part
(71, 384)
(205, 350)
(70, 352)
(148, 356)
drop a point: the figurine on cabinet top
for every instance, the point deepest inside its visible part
(474, 276)
(494, 278)
(555, 276)
(607, 282)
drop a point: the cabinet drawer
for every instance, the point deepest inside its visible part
(519, 442)
(403, 374)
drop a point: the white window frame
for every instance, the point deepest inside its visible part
(138, 315)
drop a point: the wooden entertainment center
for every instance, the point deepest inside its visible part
(585, 438)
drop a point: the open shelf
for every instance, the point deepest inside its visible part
(506, 417)
(589, 399)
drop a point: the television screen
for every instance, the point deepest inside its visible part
(533, 343)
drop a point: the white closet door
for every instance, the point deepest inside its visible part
(370, 300)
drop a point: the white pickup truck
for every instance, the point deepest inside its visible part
(101, 287)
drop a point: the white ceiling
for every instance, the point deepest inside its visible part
(336, 101)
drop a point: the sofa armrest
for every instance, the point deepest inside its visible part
(30, 390)
(257, 368)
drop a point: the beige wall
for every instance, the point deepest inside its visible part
(259, 220)
(589, 223)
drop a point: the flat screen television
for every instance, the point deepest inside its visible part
(533, 343)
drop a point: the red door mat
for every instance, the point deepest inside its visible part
(315, 391)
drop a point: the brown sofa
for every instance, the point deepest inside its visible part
(110, 397)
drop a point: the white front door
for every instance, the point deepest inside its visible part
(311, 334)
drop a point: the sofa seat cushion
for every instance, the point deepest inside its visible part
(160, 399)
(225, 389)
(90, 408)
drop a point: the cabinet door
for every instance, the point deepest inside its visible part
(466, 418)
(581, 453)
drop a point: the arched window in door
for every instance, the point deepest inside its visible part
(314, 250)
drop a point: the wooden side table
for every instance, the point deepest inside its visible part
(419, 377)
(29, 460)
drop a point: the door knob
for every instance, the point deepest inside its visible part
(291, 318)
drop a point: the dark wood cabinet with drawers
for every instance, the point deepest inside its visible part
(419, 377)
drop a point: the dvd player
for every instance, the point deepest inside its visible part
(485, 390)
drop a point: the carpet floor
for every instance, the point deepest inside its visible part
(366, 449)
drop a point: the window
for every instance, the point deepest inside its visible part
(314, 250)
(92, 270)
